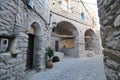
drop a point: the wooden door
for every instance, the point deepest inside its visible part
(56, 45)
(30, 52)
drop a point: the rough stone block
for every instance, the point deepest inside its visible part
(13, 78)
(20, 76)
(2, 72)
(1, 59)
(2, 65)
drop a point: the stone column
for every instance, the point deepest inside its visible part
(38, 50)
(79, 48)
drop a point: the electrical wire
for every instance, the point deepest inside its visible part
(85, 8)
(74, 10)
(85, 2)
(77, 11)
(90, 3)
(70, 18)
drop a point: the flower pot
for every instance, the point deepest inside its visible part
(49, 63)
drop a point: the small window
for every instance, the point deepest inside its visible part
(53, 3)
(82, 16)
(3, 44)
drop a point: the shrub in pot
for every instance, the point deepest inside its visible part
(50, 54)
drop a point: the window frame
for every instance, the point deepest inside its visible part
(4, 47)
(82, 16)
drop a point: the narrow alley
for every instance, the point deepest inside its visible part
(76, 39)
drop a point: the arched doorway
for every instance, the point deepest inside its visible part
(63, 38)
(90, 40)
(34, 45)
(30, 51)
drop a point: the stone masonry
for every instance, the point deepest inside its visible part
(109, 13)
(25, 27)
(69, 16)
(16, 18)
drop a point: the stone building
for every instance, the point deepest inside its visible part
(23, 36)
(109, 13)
(74, 28)
(28, 27)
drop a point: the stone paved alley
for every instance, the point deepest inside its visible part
(74, 69)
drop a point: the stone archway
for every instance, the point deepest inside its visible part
(90, 40)
(34, 46)
(63, 37)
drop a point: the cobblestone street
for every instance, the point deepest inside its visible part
(74, 69)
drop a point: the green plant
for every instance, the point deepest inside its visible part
(50, 52)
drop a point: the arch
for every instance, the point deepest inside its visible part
(63, 38)
(34, 45)
(65, 28)
(37, 28)
(90, 40)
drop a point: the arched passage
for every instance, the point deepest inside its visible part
(34, 45)
(90, 40)
(63, 38)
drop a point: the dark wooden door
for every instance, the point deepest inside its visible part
(56, 45)
(30, 52)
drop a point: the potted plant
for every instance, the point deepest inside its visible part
(50, 54)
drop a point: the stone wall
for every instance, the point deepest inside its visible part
(73, 17)
(16, 19)
(109, 13)
(74, 12)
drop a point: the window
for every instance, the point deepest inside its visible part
(82, 16)
(3, 44)
(6, 43)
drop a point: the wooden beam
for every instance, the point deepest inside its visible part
(63, 36)
(7, 36)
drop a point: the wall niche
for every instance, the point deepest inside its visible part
(5, 43)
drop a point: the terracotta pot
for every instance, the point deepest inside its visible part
(49, 63)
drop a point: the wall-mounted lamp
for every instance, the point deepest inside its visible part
(54, 24)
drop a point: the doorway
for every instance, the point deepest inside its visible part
(90, 40)
(56, 45)
(30, 52)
